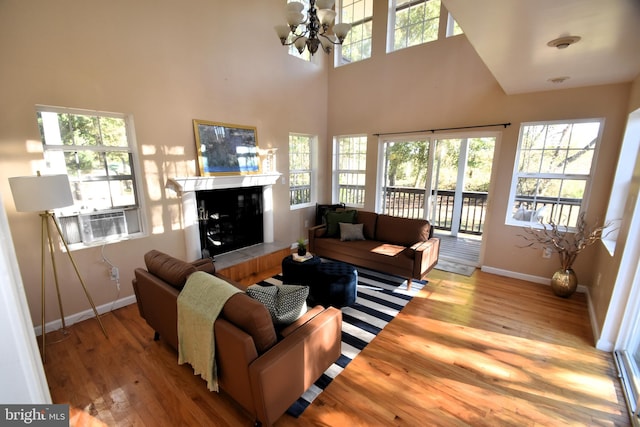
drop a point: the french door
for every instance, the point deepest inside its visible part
(445, 179)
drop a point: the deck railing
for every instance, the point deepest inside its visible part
(408, 202)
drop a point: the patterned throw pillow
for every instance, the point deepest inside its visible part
(351, 231)
(286, 303)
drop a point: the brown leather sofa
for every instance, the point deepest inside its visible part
(401, 246)
(262, 369)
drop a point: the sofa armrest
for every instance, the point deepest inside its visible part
(315, 231)
(426, 256)
(281, 375)
(205, 264)
(157, 304)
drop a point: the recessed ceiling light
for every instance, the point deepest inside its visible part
(558, 79)
(563, 42)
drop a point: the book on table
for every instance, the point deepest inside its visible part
(302, 258)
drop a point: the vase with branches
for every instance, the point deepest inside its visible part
(568, 244)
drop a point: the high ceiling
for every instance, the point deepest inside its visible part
(511, 37)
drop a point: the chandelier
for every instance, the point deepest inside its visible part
(317, 31)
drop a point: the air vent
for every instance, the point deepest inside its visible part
(103, 226)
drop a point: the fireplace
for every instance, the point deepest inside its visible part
(257, 187)
(229, 219)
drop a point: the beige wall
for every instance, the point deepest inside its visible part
(446, 84)
(170, 62)
(166, 63)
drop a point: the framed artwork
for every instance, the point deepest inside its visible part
(225, 149)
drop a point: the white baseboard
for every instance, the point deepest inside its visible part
(527, 277)
(87, 314)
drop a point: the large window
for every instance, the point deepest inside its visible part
(553, 170)
(96, 150)
(413, 22)
(300, 170)
(357, 45)
(350, 170)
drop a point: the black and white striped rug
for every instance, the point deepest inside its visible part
(380, 299)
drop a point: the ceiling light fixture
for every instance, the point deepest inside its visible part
(318, 29)
(563, 42)
(559, 79)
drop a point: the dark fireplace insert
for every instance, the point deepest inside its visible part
(229, 219)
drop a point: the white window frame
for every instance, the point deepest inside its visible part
(69, 216)
(338, 171)
(343, 16)
(621, 188)
(533, 219)
(392, 21)
(309, 169)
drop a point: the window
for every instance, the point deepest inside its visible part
(453, 29)
(96, 150)
(350, 167)
(552, 172)
(357, 45)
(412, 22)
(300, 170)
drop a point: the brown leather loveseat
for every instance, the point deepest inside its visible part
(402, 246)
(262, 369)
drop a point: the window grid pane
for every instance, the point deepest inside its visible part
(94, 150)
(416, 22)
(357, 44)
(351, 174)
(299, 169)
(553, 171)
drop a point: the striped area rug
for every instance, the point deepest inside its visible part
(380, 299)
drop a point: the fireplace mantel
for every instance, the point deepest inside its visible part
(186, 188)
(198, 183)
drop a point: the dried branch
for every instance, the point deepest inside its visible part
(567, 244)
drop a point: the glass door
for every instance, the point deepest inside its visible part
(461, 178)
(405, 177)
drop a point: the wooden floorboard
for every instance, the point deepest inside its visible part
(482, 351)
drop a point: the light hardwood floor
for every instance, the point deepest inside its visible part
(482, 350)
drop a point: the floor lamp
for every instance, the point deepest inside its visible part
(43, 193)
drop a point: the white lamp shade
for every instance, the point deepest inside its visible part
(341, 30)
(324, 4)
(294, 18)
(40, 192)
(326, 16)
(295, 6)
(283, 31)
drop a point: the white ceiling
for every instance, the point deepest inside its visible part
(511, 37)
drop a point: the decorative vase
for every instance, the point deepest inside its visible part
(564, 282)
(302, 251)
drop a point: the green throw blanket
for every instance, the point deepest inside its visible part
(199, 304)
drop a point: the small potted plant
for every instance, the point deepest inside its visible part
(568, 244)
(302, 247)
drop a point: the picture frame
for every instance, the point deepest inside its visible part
(226, 149)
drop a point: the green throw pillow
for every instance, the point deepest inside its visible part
(334, 218)
(286, 303)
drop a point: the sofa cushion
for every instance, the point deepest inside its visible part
(170, 269)
(286, 303)
(401, 231)
(253, 318)
(350, 232)
(336, 217)
(368, 219)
